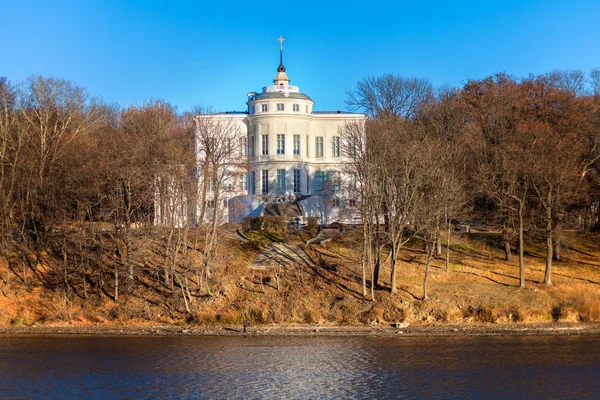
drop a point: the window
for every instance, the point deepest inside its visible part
(280, 144)
(307, 146)
(352, 203)
(335, 181)
(252, 182)
(243, 146)
(280, 107)
(352, 181)
(252, 110)
(265, 145)
(335, 146)
(296, 107)
(210, 203)
(319, 146)
(244, 182)
(319, 180)
(281, 181)
(307, 109)
(265, 181)
(296, 181)
(335, 202)
(225, 202)
(209, 185)
(296, 145)
(252, 146)
(264, 107)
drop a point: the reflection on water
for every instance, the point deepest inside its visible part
(299, 367)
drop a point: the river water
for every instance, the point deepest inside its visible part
(299, 367)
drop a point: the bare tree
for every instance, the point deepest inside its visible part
(561, 144)
(53, 114)
(402, 169)
(359, 166)
(494, 108)
(570, 81)
(11, 145)
(445, 119)
(390, 96)
(595, 81)
(218, 162)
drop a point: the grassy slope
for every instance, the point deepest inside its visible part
(480, 287)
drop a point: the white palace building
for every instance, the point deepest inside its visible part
(293, 156)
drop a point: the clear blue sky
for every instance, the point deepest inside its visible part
(214, 52)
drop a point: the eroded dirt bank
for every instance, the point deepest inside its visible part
(589, 328)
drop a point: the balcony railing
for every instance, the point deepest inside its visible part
(281, 88)
(294, 157)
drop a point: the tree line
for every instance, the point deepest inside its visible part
(518, 153)
(85, 185)
(521, 154)
(68, 159)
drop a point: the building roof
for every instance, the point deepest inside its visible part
(228, 113)
(336, 112)
(282, 210)
(280, 95)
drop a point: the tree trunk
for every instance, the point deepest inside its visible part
(185, 301)
(521, 261)
(394, 288)
(25, 269)
(83, 269)
(127, 204)
(370, 264)
(364, 261)
(557, 243)
(128, 252)
(549, 245)
(203, 196)
(213, 236)
(429, 256)
(376, 270)
(438, 246)
(65, 264)
(508, 254)
(448, 245)
(85, 294)
(7, 263)
(166, 265)
(116, 282)
(372, 278)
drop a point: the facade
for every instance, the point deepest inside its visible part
(293, 153)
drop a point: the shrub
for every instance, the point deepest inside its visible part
(313, 225)
(259, 314)
(275, 224)
(230, 317)
(205, 317)
(483, 313)
(313, 316)
(19, 321)
(252, 224)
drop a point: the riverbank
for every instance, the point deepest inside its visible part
(547, 329)
(314, 285)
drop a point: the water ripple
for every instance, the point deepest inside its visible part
(298, 367)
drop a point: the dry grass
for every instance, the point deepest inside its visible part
(479, 288)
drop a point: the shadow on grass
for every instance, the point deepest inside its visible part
(483, 276)
(567, 276)
(318, 268)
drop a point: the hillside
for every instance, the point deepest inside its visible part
(317, 284)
